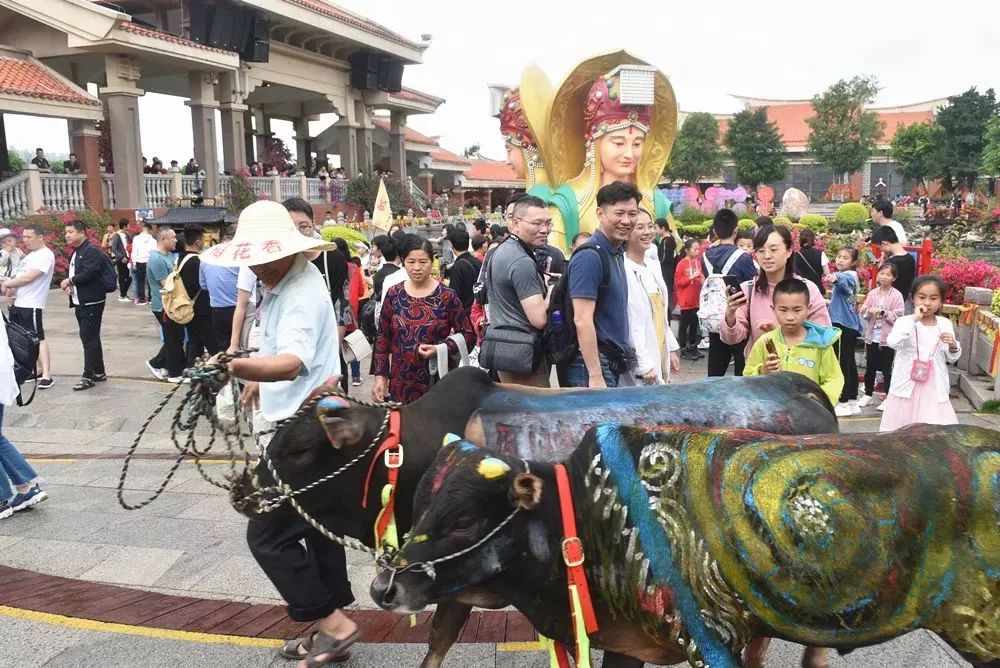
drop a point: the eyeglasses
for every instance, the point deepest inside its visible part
(536, 223)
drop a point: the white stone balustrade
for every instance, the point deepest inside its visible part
(158, 190)
(108, 187)
(62, 192)
(14, 198)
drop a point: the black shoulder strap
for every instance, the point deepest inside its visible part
(605, 263)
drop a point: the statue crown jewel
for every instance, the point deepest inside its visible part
(620, 99)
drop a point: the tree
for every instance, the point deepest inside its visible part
(963, 135)
(756, 148)
(990, 162)
(842, 134)
(696, 151)
(913, 150)
(471, 151)
(276, 154)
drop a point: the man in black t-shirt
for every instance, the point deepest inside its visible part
(464, 270)
(201, 336)
(40, 160)
(894, 253)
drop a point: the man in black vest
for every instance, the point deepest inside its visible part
(86, 296)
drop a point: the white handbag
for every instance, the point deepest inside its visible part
(439, 365)
(356, 346)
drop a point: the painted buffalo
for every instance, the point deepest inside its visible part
(515, 421)
(698, 540)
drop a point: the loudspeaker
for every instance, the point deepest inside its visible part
(364, 70)
(240, 34)
(200, 20)
(257, 48)
(390, 76)
(222, 27)
(260, 53)
(261, 29)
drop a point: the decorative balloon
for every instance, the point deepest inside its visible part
(794, 203)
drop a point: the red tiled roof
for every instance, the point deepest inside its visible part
(410, 135)
(791, 122)
(342, 15)
(28, 79)
(491, 170)
(444, 155)
(417, 96)
(137, 29)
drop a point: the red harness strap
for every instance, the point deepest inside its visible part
(393, 450)
(572, 553)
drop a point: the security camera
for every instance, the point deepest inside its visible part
(426, 37)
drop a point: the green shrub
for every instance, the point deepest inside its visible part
(815, 222)
(696, 230)
(782, 220)
(690, 215)
(746, 224)
(351, 235)
(902, 216)
(990, 406)
(16, 163)
(851, 217)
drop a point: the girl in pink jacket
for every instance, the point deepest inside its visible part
(750, 313)
(881, 308)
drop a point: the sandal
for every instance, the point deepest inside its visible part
(100, 377)
(84, 384)
(324, 643)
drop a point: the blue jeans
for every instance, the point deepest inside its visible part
(15, 469)
(356, 370)
(578, 376)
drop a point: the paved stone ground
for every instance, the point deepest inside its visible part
(190, 542)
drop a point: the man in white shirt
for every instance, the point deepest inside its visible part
(141, 247)
(30, 289)
(299, 351)
(882, 215)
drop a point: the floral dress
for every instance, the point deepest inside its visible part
(405, 323)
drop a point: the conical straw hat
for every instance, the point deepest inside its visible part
(264, 233)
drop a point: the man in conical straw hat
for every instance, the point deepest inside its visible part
(299, 350)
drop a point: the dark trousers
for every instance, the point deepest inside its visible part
(89, 318)
(848, 363)
(719, 354)
(222, 325)
(171, 354)
(200, 338)
(140, 281)
(878, 358)
(689, 331)
(124, 277)
(312, 578)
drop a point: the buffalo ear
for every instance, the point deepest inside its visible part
(527, 491)
(340, 432)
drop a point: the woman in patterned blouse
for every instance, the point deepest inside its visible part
(416, 315)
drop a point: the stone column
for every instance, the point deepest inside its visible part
(233, 113)
(397, 144)
(84, 142)
(347, 146)
(366, 159)
(121, 102)
(303, 142)
(488, 200)
(425, 181)
(262, 130)
(203, 105)
(458, 198)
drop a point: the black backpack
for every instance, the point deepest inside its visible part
(559, 337)
(109, 279)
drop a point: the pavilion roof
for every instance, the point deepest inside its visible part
(443, 155)
(410, 135)
(491, 170)
(25, 81)
(344, 16)
(137, 29)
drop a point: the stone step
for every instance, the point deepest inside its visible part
(978, 389)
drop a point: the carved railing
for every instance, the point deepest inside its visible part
(108, 187)
(263, 186)
(14, 198)
(63, 192)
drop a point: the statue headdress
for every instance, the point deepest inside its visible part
(513, 121)
(620, 99)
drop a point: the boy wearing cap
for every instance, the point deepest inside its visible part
(299, 350)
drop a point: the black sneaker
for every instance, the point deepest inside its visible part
(45, 383)
(100, 377)
(6, 510)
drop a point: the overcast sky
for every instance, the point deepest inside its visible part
(917, 49)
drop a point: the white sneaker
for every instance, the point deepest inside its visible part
(159, 374)
(855, 409)
(865, 400)
(881, 406)
(124, 299)
(703, 345)
(177, 380)
(842, 410)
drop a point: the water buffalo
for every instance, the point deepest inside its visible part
(515, 421)
(698, 540)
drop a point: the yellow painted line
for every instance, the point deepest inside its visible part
(533, 646)
(128, 629)
(861, 419)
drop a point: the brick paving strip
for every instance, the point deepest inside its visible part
(80, 599)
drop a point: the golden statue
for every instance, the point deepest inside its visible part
(522, 136)
(613, 118)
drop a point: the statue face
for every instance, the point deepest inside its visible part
(619, 153)
(515, 160)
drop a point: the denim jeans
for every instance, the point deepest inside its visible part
(578, 376)
(356, 370)
(15, 469)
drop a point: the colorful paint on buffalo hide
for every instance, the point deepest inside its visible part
(708, 537)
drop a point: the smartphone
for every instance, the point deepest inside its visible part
(733, 283)
(771, 349)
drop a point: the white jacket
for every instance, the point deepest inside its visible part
(642, 333)
(8, 384)
(901, 340)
